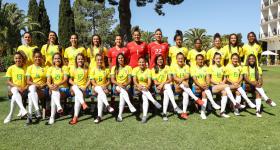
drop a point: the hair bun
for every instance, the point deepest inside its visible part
(179, 32)
(217, 35)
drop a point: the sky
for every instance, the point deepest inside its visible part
(223, 16)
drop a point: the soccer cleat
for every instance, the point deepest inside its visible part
(144, 119)
(203, 115)
(51, 121)
(133, 110)
(271, 103)
(29, 120)
(224, 115)
(216, 106)
(178, 110)
(199, 102)
(239, 106)
(74, 121)
(158, 106)
(110, 109)
(85, 106)
(184, 116)
(97, 120)
(258, 114)
(251, 105)
(7, 119)
(38, 114)
(19, 114)
(164, 117)
(119, 119)
(236, 112)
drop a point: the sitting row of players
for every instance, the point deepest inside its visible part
(39, 81)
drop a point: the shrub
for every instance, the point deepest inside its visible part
(5, 62)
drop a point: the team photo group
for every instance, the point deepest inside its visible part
(156, 73)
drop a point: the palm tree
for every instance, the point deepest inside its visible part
(192, 34)
(147, 36)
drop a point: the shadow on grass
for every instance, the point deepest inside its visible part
(2, 99)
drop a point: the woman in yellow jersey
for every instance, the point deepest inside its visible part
(162, 77)
(216, 74)
(57, 77)
(232, 47)
(216, 49)
(94, 49)
(79, 81)
(72, 51)
(142, 82)
(197, 50)
(37, 81)
(121, 78)
(181, 74)
(52, 47)
(253, 47)
(27, 48)
(253, 77)
(178, 48)
(234, 79)
(17, 85)
(201, 84)
(100, 80)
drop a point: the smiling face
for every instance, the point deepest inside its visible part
(27, 38)
(121, 60)
(80, 61)
(74, 40)
(251, 38)
(118, 41)
(198, 45)
(233, 39)
(217, 59)
(57, 60)
(96, 41)
(38, 59)
(142, 63)
(180, 60)
(136, 36)
(252, 60)
(158, 36)
(179, 41)
(52, 37)
(99, 61)
(199, 61)
(160, 61)
(18, 60)
(218, 43)
(235, 60)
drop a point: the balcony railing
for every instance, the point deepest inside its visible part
(265, 19)
(274, 1)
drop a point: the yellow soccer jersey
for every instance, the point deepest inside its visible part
(71, 53)
(17, 75)
(251, 72)
(211, 52)
(180, 72)
(91, 53)
(162, 74)
(28, 51)
(248, 49)
(57, 74)
(228, 52)
(123, 74)
(192, 56)
(100, 76)
(141, 76)
(174, 50)
(233, 73)
(80, 76)
(217, 73)
(200, 73)
(48, 53)
(37, 74)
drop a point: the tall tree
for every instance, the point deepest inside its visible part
(44, 22)
(66, 24)
(33, 15)
(93, 18)
(192, 34)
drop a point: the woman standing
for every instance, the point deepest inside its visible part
(233, 47)
(252, 47)
(96, 48)
(178, 48)
(27, 48)
(194, 52)
(216, 49)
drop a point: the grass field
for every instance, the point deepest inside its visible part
(243, 132)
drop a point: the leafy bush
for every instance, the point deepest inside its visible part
(5, 62)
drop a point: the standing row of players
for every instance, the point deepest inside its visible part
(47, 74)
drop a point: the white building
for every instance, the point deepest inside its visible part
(270, 24)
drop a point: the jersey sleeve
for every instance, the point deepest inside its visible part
(209, 70)
(170, 52)
(129, 69)
(9, 72)
(66, 71)
(189, 55)
(43, 50)
(134, 71)
(66, 53)
(112, 73)
(149, 73)
(259, 49)
(244, 70)
(107, 73)
(109, 54)
(208, 54)
(49, 71)
(28, 71)
(91, 74)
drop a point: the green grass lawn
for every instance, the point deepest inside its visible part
(243, 132)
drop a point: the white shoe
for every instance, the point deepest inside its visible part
(258, 115)
(242, 106)
(202, 115)
(158, 106)
(178, 110)
(7, 119)
(273, 104)
(224, 115)
(132, 110)
(236, 112)
(216, 106)
(110, 109)
(51, 121)
(19, 114)
(251, 105)
(164, 117)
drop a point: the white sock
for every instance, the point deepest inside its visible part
(230, 95)
(189, 91)
(258, 104)
(165, 101)
(78, 94)
(99, 106)
(244, 95)
(53, 109)
(101, 94)
(29, 103)
(18, 99)
(185, 102)
(77, 107)
(223, 103)
(210, 97)
(56, 99)
(203, 107)
(12, 107)
(149, 96)
(262, 93)
(34, 96)
(121, 106)
(145, 105)
(167, 87)
(125, 96)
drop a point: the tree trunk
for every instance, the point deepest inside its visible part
(125, 17)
